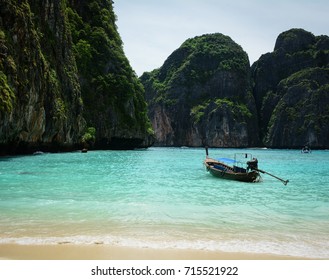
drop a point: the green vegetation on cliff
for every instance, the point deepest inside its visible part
(112, 94)
(239, 110)
(7, 96)
(302, 114)
(195, 63)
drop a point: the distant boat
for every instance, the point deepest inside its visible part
(306, 150)
(232, 169)
(243, 168)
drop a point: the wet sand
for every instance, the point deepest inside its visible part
(109, 252)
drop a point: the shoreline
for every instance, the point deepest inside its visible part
(111, 252)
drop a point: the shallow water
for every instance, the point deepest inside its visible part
(164, 198)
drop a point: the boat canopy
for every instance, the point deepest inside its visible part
(227, 160)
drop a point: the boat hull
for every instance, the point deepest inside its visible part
(227, 172)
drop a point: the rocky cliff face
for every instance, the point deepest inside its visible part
(113, 96)
(301, 116)
(290, 89)
(50, 93)
(40, 94)
(202, 95)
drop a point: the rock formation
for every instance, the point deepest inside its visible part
(202, 95)
(63, 74)
(206, 93)
(113, 96)
(40, 105)
(301, 116)
(291, 91)
(65, 83)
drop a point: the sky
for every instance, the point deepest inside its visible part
(152, 29)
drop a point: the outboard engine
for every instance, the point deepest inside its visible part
(252, 164)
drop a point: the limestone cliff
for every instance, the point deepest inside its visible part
(291, 91)
(113, 96)
(63, 74)
(206, 93)
(202, 95)
(301, 115)
(40, 104)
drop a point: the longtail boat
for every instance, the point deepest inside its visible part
(242, 168)
(234, 169)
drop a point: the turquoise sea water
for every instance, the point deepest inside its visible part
(164, 198)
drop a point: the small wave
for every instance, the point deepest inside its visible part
(316, 250)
